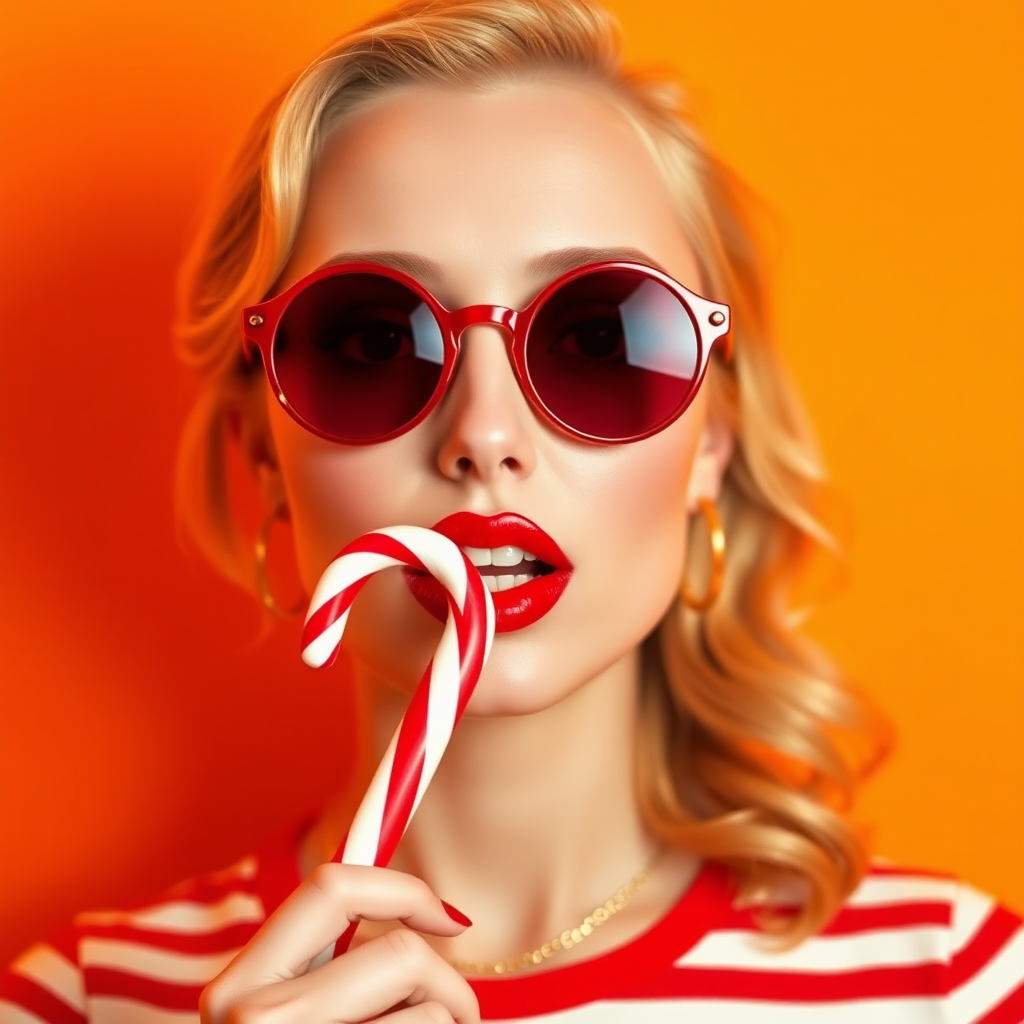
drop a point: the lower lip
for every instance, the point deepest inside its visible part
(515, 608)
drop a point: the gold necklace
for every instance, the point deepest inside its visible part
(569, 938)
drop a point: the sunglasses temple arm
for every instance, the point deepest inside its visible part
(715, 324)
(252, 343)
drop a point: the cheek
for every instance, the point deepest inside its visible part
(644, 517)
(630, 546)
(334, 493)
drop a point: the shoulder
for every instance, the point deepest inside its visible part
(145, 962)
(907, 938)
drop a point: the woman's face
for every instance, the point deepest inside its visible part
(487, 196)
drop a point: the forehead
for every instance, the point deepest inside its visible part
(482, 182)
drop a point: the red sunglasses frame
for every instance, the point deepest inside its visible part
(711, 322)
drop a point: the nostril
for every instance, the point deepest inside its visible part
(464, 464)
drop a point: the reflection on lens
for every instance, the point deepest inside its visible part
(358, 355)
(613, 354)
(659, 332)
(426, 335)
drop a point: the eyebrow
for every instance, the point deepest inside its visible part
(408, 262)
(547, 266)
(552, 264)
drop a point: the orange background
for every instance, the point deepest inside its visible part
(146, 735)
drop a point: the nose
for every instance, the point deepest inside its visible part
(487, 422)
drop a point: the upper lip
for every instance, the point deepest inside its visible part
(467, 529)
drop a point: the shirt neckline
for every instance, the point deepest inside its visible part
(612, 974)
(616, 972)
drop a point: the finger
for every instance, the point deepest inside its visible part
(400, 966)
(425, 1013)
(320, 910)
(395, 968)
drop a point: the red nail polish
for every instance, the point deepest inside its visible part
(455, 914)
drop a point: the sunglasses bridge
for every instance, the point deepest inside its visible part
(482, 316)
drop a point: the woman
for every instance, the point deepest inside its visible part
(650, 737)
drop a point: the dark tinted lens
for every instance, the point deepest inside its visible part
(613, 354)
(358, 355)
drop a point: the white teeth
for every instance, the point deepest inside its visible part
(478, 556)
(507, 555)
(506, 581)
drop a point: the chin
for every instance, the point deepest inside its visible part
(515, 683)
(508, 699)
(523, 679)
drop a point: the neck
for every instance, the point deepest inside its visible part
(530, 821)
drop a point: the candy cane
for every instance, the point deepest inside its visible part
(415, 750)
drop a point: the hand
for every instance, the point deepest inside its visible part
(270, 980)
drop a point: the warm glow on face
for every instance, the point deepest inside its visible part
(430, 172)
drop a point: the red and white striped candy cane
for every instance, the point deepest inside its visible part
(442, 694)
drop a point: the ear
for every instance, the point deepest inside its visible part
(257, 443)
(714, 449)
(271, 485)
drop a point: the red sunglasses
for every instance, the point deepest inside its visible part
(610, 352)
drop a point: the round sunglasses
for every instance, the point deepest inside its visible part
(609, 352)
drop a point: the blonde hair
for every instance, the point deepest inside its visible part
(751, 745)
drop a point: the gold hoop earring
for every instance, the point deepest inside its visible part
(262, 582)
(701, 603)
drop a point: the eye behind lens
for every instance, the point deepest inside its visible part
(381, 342)
(613, 354)
(600, 339)
(366, 341)
(587, 334)
(355, 356)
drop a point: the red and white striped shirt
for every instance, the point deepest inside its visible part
(907, 947)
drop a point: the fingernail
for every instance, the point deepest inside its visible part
(455, 914)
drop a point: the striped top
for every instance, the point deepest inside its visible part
(908, 947)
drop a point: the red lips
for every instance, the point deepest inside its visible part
(515, 608)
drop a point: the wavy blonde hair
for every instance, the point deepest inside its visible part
(751, 745)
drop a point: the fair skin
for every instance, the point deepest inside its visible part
(531, 820)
